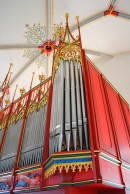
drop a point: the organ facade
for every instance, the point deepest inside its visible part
(69, 134)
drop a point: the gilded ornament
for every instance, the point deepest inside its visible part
(67, 168)
(79, 166)
(20, 114)
(7, 102)
(73, 167)
(60, 168)
(32, 108)
(41, 77)
(58, 32)
(12, 119)
(22, 91)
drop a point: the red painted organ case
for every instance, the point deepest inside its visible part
(70, 134)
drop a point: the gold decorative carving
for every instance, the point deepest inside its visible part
(71, 166)
(22, 91)
(41, 77)
(12, 119)
(68, 52)
(2, 126)
(44, 100)
(7, 102)
(59, 31)
(20, 114)
(32, 108)
(71, 51)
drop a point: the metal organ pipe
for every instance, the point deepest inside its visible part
(68, 111)
(68, 125)
(32, 146)
(33, 123)
(10, 147)
(73, 103)
(84, 111)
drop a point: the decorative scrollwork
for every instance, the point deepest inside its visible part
(20, 114)
(71, 166)
(32, 108)
(12, 119)
(44, 100)
(58, 31)
(3, 124)
(68, 52)
(68, 162)
(71, 52)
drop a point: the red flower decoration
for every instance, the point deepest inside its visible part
(48, 47)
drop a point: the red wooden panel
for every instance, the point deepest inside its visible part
(104, 129)
(119, 124)
(126, 176)
(110, 171)
(127, 191)
(126, 112)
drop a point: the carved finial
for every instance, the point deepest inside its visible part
(41, 77)
(67, 15)
(7, 102)
(77, 18)
(22, 91)
(11, 64)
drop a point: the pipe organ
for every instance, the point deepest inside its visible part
(70, 134)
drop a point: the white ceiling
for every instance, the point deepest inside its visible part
(105, 38)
